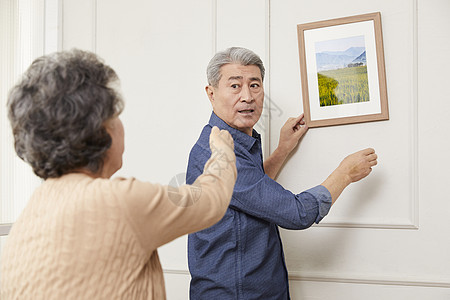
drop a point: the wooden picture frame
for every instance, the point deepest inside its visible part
(342, 71)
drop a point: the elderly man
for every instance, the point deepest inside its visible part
(241, 257)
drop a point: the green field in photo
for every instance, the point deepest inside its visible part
(343, 86)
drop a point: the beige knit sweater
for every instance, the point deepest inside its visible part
(86, 238)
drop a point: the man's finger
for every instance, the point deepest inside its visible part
(301, 130)
(372, 157)
(299, 118)
(294, 120)
(368, 151)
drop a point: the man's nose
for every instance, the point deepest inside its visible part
(246, 95)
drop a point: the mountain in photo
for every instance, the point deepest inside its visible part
(352, 51)
(361, 58)
(331, 60)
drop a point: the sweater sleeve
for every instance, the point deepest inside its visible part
(159, 214)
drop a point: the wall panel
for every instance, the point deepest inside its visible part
(322, 149)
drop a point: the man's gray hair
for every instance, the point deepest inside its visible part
(233, 55)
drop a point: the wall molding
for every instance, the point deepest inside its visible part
(406, 226)
(373, 280)
(5, 228)
(342, 278)
(266, 123)
(214, 26)
(177, 272)
(415, 117)
(94, 25)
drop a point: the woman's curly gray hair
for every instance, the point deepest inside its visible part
(58, 112)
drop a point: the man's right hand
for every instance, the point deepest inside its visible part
(353, 168)
(358, 165)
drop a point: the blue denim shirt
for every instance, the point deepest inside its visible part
(241, 257)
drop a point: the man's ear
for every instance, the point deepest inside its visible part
(210, 92)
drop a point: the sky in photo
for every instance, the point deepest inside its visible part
(340, 44)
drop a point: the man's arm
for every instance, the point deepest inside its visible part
(353, 168)
(256, 194)
(290, 135)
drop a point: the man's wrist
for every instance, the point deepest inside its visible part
(343, 176)
(281, 153)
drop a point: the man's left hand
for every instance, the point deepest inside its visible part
(291, 133)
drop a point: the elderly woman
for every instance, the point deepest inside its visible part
(83, 235)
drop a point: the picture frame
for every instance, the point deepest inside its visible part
(342, 71)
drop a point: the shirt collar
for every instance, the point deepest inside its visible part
(238, 136)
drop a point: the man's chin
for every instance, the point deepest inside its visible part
(247, 120)
(245, 125)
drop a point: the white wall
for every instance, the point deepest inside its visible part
(387, 236)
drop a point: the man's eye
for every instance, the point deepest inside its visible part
(235, 86)
(254, 85)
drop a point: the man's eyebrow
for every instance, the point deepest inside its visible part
(240, 77)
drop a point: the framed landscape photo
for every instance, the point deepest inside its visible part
(342, 71)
